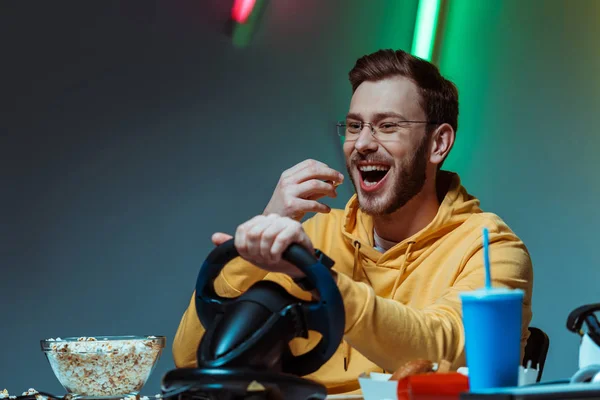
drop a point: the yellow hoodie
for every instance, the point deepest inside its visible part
(400, 305)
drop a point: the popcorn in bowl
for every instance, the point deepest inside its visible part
(4, 395)
(103, 367)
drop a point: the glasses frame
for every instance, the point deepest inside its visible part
(343, 124)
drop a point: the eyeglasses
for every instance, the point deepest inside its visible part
(351, 130)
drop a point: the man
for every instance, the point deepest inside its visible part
(406, 244)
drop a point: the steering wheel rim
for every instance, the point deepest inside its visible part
(325, 315)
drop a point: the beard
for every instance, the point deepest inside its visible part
(406, 182)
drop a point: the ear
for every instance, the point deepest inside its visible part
(442, 140)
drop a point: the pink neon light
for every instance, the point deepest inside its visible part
(241, 10)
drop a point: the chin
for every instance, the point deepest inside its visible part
(373, 205)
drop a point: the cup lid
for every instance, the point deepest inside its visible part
(492, 294)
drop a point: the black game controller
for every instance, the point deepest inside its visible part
(247, 337)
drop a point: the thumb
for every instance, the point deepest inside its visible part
(220, 238)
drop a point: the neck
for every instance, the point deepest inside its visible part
(410, 218)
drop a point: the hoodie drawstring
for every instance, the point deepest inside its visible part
(356, 259)
(402, 268)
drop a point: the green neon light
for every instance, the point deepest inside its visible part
(425, 28)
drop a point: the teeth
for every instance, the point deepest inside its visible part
(367, 168)
(367, 183)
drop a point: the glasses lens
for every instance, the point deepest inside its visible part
(354, 127)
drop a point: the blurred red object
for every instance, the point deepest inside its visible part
(241, 10)
(432, 386)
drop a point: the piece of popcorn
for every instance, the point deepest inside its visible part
(86, 339)
(4, 394)
(30, 392)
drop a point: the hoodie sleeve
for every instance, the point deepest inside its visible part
(235, 278)
(390, 333)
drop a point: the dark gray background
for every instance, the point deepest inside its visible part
(131, 131)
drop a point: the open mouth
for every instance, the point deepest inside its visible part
(372, 175)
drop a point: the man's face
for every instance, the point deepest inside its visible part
(386, 174)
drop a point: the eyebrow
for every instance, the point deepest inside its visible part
(377, 116)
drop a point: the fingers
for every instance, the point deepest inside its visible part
(268, 238)
(292, 233)
(302, 165)
(248, 236)
(219, 238)
(314, 189)
(312, 206)
(309, 179)
(295, 207)
(241, 240)
(263, 239)
(316, 172)
(260, 237)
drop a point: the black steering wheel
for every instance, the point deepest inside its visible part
(266, 316)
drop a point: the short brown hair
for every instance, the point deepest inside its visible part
(439, 96)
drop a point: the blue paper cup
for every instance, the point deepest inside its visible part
(492, 323)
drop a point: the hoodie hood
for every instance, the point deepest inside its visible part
(455, 207)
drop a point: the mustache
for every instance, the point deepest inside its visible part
(370, 158)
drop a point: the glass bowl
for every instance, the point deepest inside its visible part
(104, 366)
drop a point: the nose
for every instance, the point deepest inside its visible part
(366, 142)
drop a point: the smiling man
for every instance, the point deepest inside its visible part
(406, 244)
